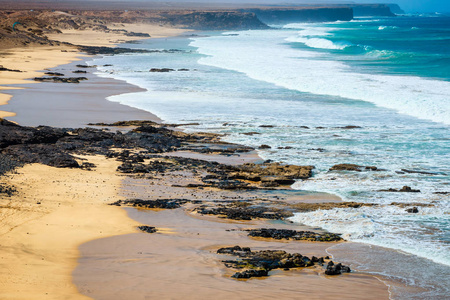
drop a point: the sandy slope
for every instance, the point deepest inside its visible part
(41, 228)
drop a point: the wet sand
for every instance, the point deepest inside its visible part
(73, 104)
(180, 263)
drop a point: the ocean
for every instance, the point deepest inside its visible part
(386, 78)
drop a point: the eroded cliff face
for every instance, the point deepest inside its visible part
(369, 10)
(306, 14)
(216, 20)
(395, 8)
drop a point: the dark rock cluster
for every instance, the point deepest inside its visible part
(147, 229)
(148, 204)
(237, 211)
(55, 146)
(8, 70)
(259, 263)
(60, 79)
(338, 269)
(405, 189)
(352, 167)
(287, 234)
(54, 74)
(163, 70)
(413, 210)
(7, 190)
(96, 50)
(269, 174)
(8, 164)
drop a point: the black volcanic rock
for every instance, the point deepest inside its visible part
(147, 229)
(279, 234)
(60, 79)
(259, 263)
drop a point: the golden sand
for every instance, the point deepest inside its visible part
(56, 210)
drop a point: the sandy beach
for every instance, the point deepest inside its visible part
(56, 210)
(60, 239)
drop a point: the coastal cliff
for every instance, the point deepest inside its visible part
(369, 10)
(215, 20)
(308, 14)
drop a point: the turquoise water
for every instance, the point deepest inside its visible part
(390, 77)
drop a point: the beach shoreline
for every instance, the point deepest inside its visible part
(98, 232)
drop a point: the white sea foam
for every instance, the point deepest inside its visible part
(318, 43)
(308, 71)
(387, 226)
(387, 27)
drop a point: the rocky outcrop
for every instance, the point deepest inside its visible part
(60, 79)
(250, 170)
(338, 269)
(150, 204)
(412, 210)
(260, 263)
(162, 70)
(289, 234)
(405, 189)
(147, 229)
(95, 50)
(306, 207)
(8, 70)
(243, 211)
(352, 167)
(304, 14)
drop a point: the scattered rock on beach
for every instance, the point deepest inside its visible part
(251, 273)
(336, 269)
(243, 211)
(54, 74)
(148, 204)
(8, 70)
(287, 234)
(259, 263)
(147, 229)
(7, 190)
(85, 66)
(60, 79)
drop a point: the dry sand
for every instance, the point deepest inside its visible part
(42, 227)
(95, 38)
